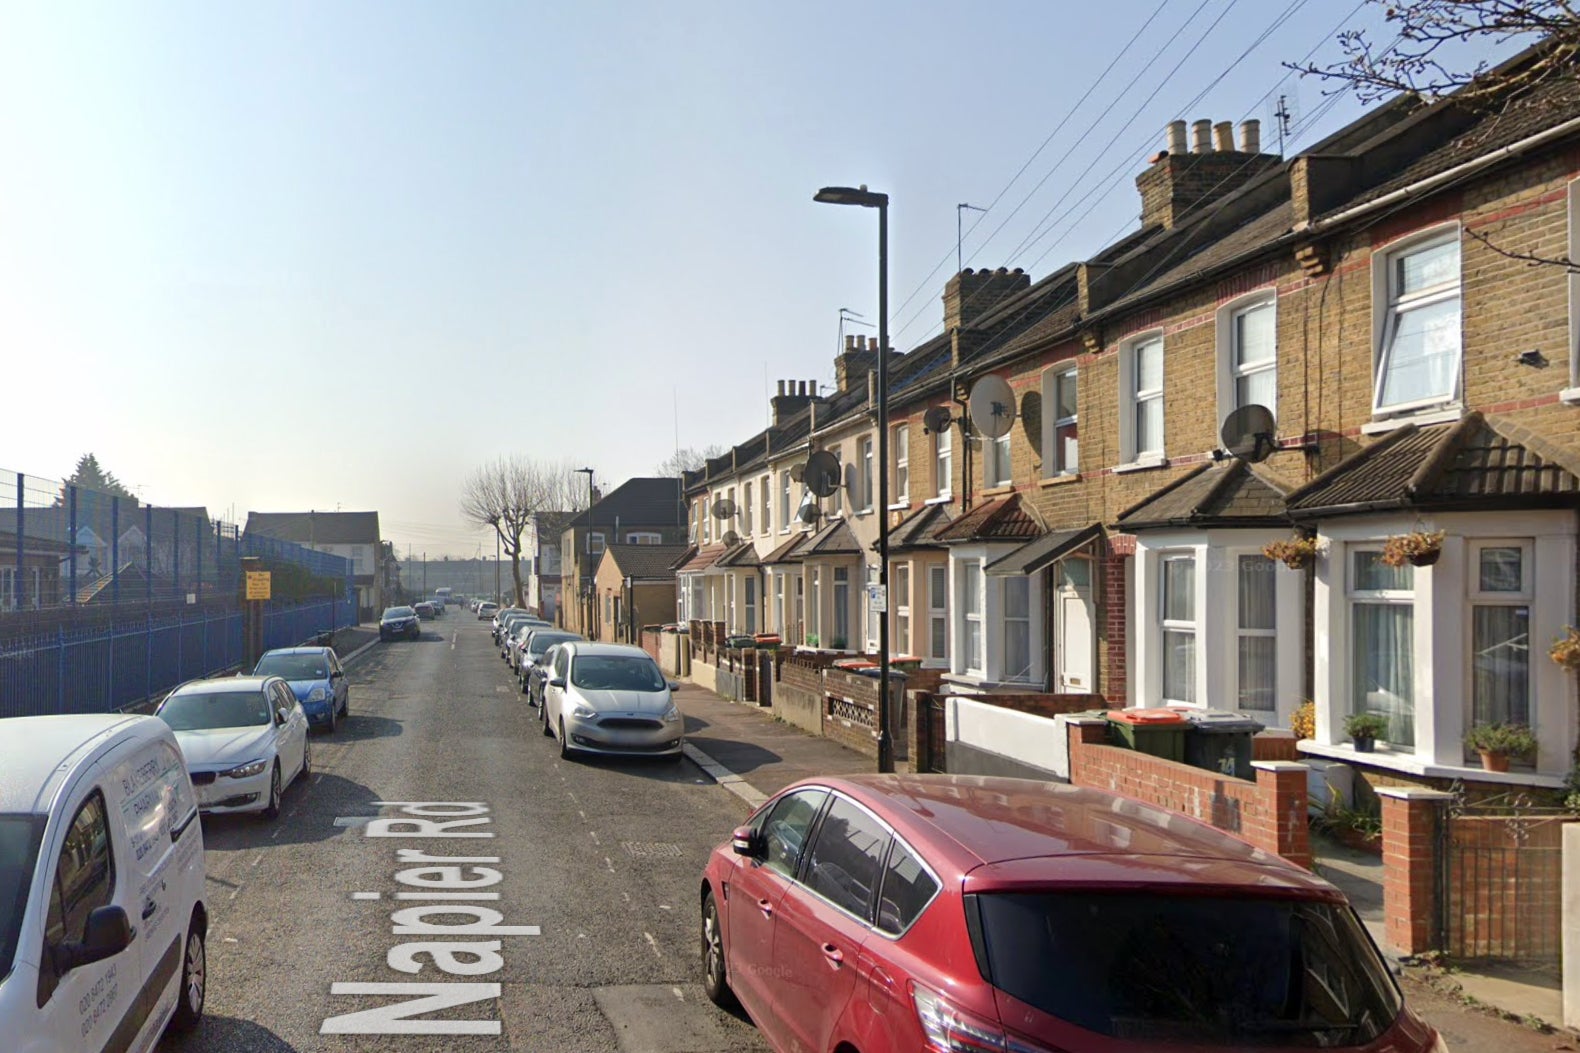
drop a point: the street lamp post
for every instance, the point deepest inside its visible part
(583, 586)
(864, 198)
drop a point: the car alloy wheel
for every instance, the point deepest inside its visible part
(271, 811)
(565, 743)
(307, 759)
(334, 717)
(715, 980)
(194, 983)
(548, 732)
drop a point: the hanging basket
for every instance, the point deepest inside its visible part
(1566, 649)
(1419, 548)
(1296, 553)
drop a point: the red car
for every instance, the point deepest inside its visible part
(966, 913)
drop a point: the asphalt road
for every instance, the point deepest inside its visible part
(600, 860)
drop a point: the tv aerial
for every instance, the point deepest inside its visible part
(1249, 433)
(936, 419)
(822, 475)
(991, 406)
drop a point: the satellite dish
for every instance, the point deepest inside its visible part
(936, 420)
(992, 406)
(822, 473)
(797, 471)
(808, 514)
(1249, 433)
(723, 508)
(731, 538)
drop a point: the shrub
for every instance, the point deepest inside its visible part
(1514, 740)
(1304, 721)
(1365, 725)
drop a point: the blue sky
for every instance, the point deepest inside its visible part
(301, 255)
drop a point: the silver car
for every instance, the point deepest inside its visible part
(610, 699)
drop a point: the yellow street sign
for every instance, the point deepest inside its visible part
(258, 584)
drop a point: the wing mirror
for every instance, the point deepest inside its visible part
(107, 933)
(748, 842)
(674, 685)
(279, 719)
(558, 681)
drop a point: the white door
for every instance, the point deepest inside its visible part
(1073, 617)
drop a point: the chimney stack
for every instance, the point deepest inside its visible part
(1201, 137)
(792, 399)
(1176, 137)
(1223, 137)
(1251, 137)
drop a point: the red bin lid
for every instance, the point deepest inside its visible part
(1151, 717)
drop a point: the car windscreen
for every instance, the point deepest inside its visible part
(19, 840)
(201, 710)
(597, 672)
(1203, 970)
(541, 642)
(293, 666)
(398, 612)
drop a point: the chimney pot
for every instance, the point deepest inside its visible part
(1176, 137)
(1201, 137)
(1251, 136)
(850, 341)
(811, 387)
(781, 388)
(1223, 137)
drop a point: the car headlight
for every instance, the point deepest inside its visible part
(318, 694)
(672, 714)
(242, 771)
(582, 711)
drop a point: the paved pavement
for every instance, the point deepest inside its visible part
(752, 754)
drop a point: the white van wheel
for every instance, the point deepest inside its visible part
(194, 983)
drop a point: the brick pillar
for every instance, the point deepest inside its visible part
(1410, 818)
(1113, 613)
(1284, 785)
(1084, 731)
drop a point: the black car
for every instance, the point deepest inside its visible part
(398, 622)
(423, 608)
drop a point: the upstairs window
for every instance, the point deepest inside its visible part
(746, 509)
(995, 462)
(784, 501)
(864, 465)
(765, 490)
(943, 461)
(1248, 353)
(1419, 328)
(902, 465)
(1141, 401)
(1060, 440)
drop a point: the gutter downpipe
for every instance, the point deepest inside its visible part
(1431, 182)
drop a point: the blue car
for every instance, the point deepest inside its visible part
(316, 679)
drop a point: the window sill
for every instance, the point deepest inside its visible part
(903, 506)
(1410, 763)
(1141, 466)
(1060, 480)
(941, 499)
(1569, 396)
(1422, 419)
(999, 491)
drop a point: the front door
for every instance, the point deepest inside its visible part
(1073, 627)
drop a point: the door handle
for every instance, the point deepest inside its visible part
(835, 956)
(766, 907)
(148, 909)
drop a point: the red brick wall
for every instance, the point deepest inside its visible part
(1112, 611)
(1270, 813)
(1410, 869)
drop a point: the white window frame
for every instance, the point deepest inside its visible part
(779, 608)
(784, 501)
(871, 618)
(8, 584)
(746, 508)
(707, 520)
(1572, 393)
(864, 469)
(765, 488)
(1241, 633)
(1052, 452)
(900, 604)
(1391, 597)
(749, 600)
(644, 537)
(943, 462)
(836, 505)
(1525, 597)
(1131, 398)
(800, 605)
(997, 468)
(964, 576)
(592, 536)
(1167, 625)
(902, 466)
(1387, 308)
(839, 607)
(1004, 620)
(1227, 332)
(937, 608)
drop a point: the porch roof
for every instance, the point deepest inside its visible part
(1231, 493)
(1006, 519)
(1478, 462)
(789, 552)
(833, 539)
(705, 557)
(742, 555)
(919, 529)
(1035, 555)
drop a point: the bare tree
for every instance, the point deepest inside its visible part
(506, 493)
(688, 459)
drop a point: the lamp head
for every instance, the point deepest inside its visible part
(848, 195)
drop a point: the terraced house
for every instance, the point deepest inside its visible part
(1339, 348)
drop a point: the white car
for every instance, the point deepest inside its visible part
(244, 738)
(102, 919)
(609, 698)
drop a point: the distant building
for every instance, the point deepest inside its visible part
(349, 535)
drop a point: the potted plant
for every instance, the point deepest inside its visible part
(1419, 548)
(1294, 553)
(1498, 742)
(1304, 721)
(1566, 649)
(1363, 729)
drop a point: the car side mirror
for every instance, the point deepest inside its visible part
(747, 842)
(673, 685)
(558, 681)
(336, 675)
(107, 933)
(279, 718)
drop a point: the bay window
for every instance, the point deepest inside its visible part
(1017, 628)
(1257, 634)
(971, 616)
(1178, 618)
(938, 613)
(1382, 643)
(1500, 633)
(900, 597)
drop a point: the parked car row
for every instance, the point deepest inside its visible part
(400, 623)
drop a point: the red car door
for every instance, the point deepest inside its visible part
(822, 923)
(753, 899)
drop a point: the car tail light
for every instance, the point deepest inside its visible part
(950, 1029)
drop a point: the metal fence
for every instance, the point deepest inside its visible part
(123, 663)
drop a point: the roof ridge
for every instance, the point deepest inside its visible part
(1167, 489)
(1217, 487)
(1360, 456)
(1448, 447)
(1538, 444)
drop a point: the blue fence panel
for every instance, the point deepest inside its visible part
(30, 677)
(130, 642)
(86, 659)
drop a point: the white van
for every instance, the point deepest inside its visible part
(102, 922)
